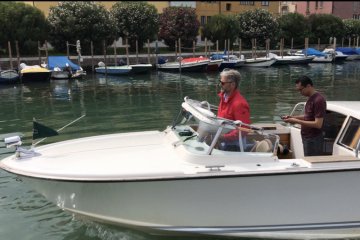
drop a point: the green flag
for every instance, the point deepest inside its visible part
(41, 131)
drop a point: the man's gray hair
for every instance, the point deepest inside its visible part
(231, 75)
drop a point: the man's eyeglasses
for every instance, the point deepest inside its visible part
(223, 83)
(301, 89)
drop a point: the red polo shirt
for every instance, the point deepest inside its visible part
(234, 108)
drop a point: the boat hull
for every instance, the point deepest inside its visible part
(9, 76)
(286, 60)
(60, 75)
(289, 205)
(259, 62)
(35, 76)
(113, 70)
(140, 68)
(186, 67)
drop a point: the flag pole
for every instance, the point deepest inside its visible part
(34, 144)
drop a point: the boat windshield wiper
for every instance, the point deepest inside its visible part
(192, 136)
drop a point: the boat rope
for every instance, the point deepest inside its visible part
(60, 129)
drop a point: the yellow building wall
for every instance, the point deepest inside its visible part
(210, 8)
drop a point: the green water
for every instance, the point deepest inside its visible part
(134, 103)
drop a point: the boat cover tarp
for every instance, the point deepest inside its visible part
(60, 61)
(313, 52)
(218, 56)
(347, 50)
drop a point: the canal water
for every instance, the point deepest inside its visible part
(133, 103)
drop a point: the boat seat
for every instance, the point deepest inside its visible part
(262, 146)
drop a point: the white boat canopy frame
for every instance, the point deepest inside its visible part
(203, 113)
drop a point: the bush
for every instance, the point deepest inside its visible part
(23, 23)
(258, 24)
(136, 21)
(220, 28)
(84, 21)
(178, 23)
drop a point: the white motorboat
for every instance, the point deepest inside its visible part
(286, 60)
(259, 62)
(184, 65)
(113, 70)
(180, 181)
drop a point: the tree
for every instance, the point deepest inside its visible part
(293, 26)
(325, 26)
(220, 28)
(84, 21)
(258, 24)
(351, 28)
(178, 22)
(23, 23)
(136, 21)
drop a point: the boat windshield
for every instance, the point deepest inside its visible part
(224, 134)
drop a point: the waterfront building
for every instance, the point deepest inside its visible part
(286, 7)
(341, 9)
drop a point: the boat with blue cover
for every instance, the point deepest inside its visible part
(62, 67)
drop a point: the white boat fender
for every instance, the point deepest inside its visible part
(12, 141)
(101, 64)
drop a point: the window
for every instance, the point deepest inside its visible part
(320, 4)
(351, 136)
(228, 7)
(202, 20)
(333, 122)
(307, 7)
(355, 16)
(316, 4)
(208, 19)
(246, 2)
(264, 3)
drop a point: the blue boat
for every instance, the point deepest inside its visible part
(319, 57)
(226, 63)
(353, 53)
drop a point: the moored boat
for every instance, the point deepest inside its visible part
(9, 76)
(184, 65)
(140, 68)
(339, 56)
(113, 70)
(319, 57)
(353, 53)
(287, 60)
(34, 73)
(62, 67)
(213, 65)
(172, 181)
(259, 62)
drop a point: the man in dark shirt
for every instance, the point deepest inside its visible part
(312, 120)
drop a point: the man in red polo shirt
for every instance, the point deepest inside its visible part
(233, 105)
